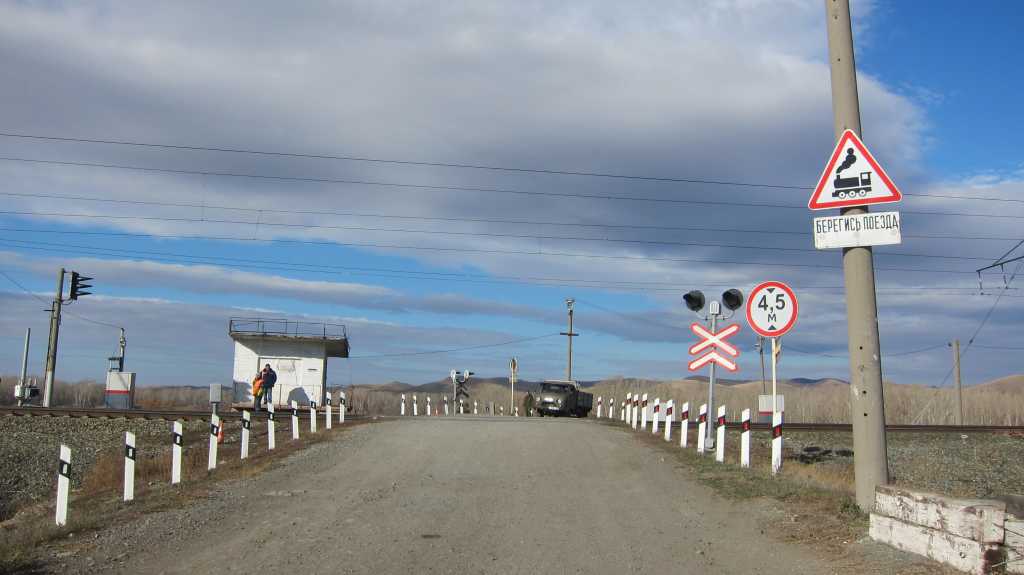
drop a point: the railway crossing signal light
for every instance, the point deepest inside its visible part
(78, 285)
(732, 299)
(694, 300)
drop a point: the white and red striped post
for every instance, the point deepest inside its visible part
(720, 435)
(745, 439)
(684, 425)
(599, 407)
(702, 423)
(295, 420)
(627, 409)
(211, 454)
(415, 405)
(636, 410)
(129, 466)
(776, 442)
(669, 408)
(611, 409)
(177, 441)
(63, 484)
(329, 417)
(402, 412)
(312, 417)
(643, 413)
(246, 427)
(271, 428)
(656, 415)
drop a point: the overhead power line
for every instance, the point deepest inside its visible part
(698, 202)
(64, 310)
(470, 166)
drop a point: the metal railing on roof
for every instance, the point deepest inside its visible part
(285, 327)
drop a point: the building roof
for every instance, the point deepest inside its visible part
(333, 335)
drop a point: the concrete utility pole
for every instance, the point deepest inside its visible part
(568, 370)
(24, 358)
(959, 388)
(51, 352)
(867, 406)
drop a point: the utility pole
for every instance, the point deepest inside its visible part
(867, 406)
(959, 385)
(715, 310)
(568, 370)
(513, 366)
(51, 352)
(24, 358)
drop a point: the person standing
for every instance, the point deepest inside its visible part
(269, 377)
(257, 391)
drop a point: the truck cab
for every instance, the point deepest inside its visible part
(563, 398)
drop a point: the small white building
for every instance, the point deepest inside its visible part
(297, 351)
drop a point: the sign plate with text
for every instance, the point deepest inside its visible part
(857, 230)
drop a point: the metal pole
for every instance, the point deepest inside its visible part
(123, 343)
(867, 405)
(51, 352)
(568, 370)
(775, 392)
(959, 388)
(709, 436)
(760, 349)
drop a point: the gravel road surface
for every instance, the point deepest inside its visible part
(446, 495)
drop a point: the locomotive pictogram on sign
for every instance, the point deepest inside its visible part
(856, 180)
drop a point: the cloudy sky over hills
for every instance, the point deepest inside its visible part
(720, 110)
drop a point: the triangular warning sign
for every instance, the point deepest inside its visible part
(852, 177)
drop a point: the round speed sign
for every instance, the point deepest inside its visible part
(772, 309)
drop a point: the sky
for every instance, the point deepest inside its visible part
(443, 177)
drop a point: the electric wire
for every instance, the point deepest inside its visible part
(64, 310)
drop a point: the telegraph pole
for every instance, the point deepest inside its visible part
(568, 370)
(867, 406)
(24, 358)
(959, 385)
(51, 352)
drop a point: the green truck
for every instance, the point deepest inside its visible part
(562, 398)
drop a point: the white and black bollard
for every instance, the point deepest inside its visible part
(415, 406)
(462, 408)
(271, 437)
(745, 439)
(176, 446)
(63, 484)
(129, 466)
(599, 407)
(669, 416)
(502, 408)
(776, 442)
(342, 407)
(428, 406)
(403, 405)
(295, 420)
(655, 415)
(211, 454)
(702, 424)
(720, 435)
(643, 413)
(622, 411)
(684, 425)
(329, 417)
(312, 417)
(445, 404)
(246, 427)
(474, 407)
(611, 409)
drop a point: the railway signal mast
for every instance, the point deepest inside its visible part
(78, 289)
(569, 302)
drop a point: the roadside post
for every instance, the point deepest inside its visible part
(720, 435)
(745, 439)
(246, 427)
(702, 423)
(713, 341)
(684, 424)
(636, 410)
(328, 416)
(669, 406)
(501, 408)
(312, 417)
(211, 454)
(415, 406)
(474, 407)
(342, 407)
(627, 410)
(402, 412)
(772, 310)
(63, 484)
(129, 466)
(428, 406)
(295, 420)
(611, 409)
(655, 415)
(461, 406)
(599, 407)
(643, 413)
(444, 398)
(271, 440)
(177, 442)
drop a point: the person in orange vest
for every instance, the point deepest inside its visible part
(257, 391)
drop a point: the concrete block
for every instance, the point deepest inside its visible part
(979, 520)
(958, 552)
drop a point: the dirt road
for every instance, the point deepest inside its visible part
(467, 495)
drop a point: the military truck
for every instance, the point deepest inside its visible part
(561, 398)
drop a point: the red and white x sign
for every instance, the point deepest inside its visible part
(716, 342)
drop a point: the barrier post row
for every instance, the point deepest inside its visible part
(611, 409)
(720, 435)
(627, 412)
(669, 407)
(599, 407)
(702, 423)
(328, 409)
(312, 417)
(402, 412)
(745, 439)
(129, 466)
(415, 406)
(776, 442)
(176, 445)
(643, 413)
(295, 420)
(656, 415)
(63, 484)
(342, 406)
(211, 457)
(246, 427)
(271, 437)
(684, 425)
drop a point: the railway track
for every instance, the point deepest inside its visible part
(184, 414)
